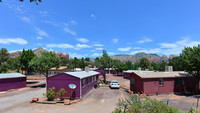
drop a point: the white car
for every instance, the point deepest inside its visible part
(114, 84)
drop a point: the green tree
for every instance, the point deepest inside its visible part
(190, 57)
(87, 59)
(14, 63)
(3, 55)
(44, 63)
(129, 65)
(24, 59)
(82, 63)
(75, 63)
(176, 63)
(162, 66)
(136, 65)
(36, 1)
(64, 61)
(4, 67)
(155, 66)
(103, 62)
(144, 63)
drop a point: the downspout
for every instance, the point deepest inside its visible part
(80, 89)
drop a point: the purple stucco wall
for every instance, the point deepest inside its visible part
(12, 83)
(101, 71)
(63, 80)
(89, 85)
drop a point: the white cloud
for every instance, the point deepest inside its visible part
(73, 22)
(26, 19)
(99, 48)
(124, 49)
(93, 16)
(145, 40)
(39, 37)
(170, 48)
(13, 40)
(81, 46)
(70, 31)
(43, 13)
(111, 53)
(39, 44)
(92, 50)
(83, 40)
(98, 45)
(137, 48)
(96, 54)
(51, 22)
(66, 46)
(41, 32)
(115, 40)
(72, 55)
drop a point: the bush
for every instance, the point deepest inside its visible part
(60, 93)
(134, 104)
(50, 94)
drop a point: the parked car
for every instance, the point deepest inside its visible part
(114, 84)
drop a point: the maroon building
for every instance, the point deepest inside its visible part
(12, 81)
(152, 83)
(84, 81)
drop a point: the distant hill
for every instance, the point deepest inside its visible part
(138, 56)
(39, 51)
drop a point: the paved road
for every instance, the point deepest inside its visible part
(100, 100)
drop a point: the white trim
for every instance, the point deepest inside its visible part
(80, 88)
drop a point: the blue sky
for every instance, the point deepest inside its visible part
(83, 28)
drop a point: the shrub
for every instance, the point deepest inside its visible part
(60, 93)
(134, 104)
(50, 94)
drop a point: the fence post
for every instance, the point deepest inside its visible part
(167, 101)
(197, 101)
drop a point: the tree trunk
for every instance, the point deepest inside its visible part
(104, 75)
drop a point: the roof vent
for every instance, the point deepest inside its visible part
(86, 69)
(168, 68)
(139, 69)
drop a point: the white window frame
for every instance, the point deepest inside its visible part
(161, 80)
(83, 83)
(92, 79)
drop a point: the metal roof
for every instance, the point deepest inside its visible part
(162, 74)
(11, 75)
(132, 71)
(82, 74)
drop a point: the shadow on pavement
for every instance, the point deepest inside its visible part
(39, 86)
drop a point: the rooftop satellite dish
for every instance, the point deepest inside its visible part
(72, 86)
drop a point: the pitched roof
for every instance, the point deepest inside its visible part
(82, 74)
(11, 75)
(162, 74)
(132, 71)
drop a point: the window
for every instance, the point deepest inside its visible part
(92, 79)
(95, 78)
(161, 82)
(178, 81)
(132, 82)
(83, 83)
(89, 80)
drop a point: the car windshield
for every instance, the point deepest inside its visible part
(114, 82)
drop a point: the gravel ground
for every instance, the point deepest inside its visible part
(100, 100)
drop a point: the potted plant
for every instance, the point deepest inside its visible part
(60, 93)
(50, 94)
